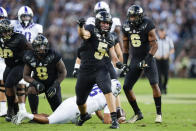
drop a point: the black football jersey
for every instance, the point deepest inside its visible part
(93, 51)
(13, 50)
(44, 70)
(138, 37)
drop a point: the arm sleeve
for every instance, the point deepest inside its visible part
(57, 57)
(150, 25)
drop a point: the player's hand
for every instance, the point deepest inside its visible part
(119, 65)
(143, 64)
(148, 59)
(52, 90)
(125, 69)
(81, 22)
(38, 86)
(75, 72)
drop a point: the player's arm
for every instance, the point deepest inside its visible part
(125, 49)
(153, 42)
(62, 72)
(118, 31)
(76, 67)
(100, 115)
(119, 52)
(27, 74)
(84, 34)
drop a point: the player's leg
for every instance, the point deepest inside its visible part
(56, 100)
(152, 75)
(104, 83)
(83, 87)
(33, 99)
(21, 92)
(3, 99)
(130, 79)
(11, 78)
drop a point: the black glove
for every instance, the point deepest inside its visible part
(119, 65)
(52, 89)
(75, 72)
(38, 86)
(81, 22)
(125, 69)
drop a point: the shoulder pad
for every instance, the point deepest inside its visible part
(126, 26)
(49, 58)
(110, 40)
(116, 21)
(30, 59)
(39, 28)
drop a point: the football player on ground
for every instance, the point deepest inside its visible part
(48, 71)
(139, 31)
(12, 47)
(115, 29)
(27, 27)
(3, 100)
(95, 102)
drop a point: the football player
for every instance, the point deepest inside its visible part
(48, 71)
(115, 30)
(139, 31)
(94, 69)
(3, 106)
(95, 102)
(26, 26)
(12, 48)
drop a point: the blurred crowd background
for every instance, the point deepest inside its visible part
(58, 18)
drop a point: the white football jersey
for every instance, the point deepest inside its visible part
(30, 32)
(115, 20)
(68, 110)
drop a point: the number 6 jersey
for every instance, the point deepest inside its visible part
(138, 37)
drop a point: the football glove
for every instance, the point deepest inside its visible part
(75, 72)
(119, 65)
(38, 86)
(81, 22)
(125, 69)
(52, 89)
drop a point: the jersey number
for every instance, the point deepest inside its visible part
(135, 40)
(95, 91)
(101, 51)
(42, 73)
(28, 36)
(5, 53)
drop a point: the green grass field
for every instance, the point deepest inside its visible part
(178, 108)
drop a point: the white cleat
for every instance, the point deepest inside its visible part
(158, 119)
(17, 119)
(135, 118)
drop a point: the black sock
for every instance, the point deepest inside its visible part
(16, 108)
(33, 102)
(10, 103)
(157, 101)
(113, 116)
(135, 106)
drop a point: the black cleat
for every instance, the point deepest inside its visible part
(115, 124)
(10, 114)
(83, 119)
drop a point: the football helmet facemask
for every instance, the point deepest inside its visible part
(25, 16)
(135, 15)
(40, 46)
(103, 22)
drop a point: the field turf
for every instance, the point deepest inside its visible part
(178, 108)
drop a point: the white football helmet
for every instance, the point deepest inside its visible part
(3, 13)
(101, 6)
(116, 87)
(25, 16)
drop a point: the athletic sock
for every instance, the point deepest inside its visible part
(135, 106)
(157, 101)
(33, 102)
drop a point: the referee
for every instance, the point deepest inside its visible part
(165, 49)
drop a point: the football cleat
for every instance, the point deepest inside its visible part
(158, 119)
(83, 119)
(136, 117)
(115, 124)
(17, 119)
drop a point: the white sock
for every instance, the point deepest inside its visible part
(3, 105)
(22, 107)
(30, 116)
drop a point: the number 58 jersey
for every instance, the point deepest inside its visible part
(138, 37)
(30, 32)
